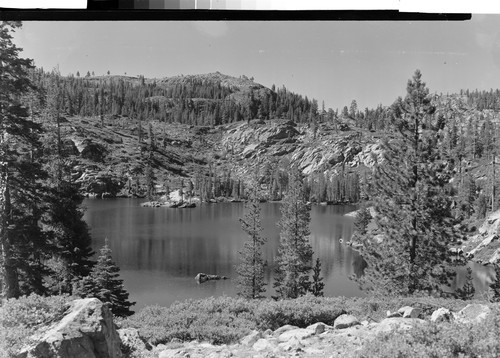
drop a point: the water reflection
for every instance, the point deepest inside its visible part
(161, 250)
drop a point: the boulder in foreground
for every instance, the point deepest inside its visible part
(86, 331)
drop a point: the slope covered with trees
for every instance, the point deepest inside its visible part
(45, 246)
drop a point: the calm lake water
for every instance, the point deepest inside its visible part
(160, 250)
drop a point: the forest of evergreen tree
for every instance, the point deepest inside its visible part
(45, 244)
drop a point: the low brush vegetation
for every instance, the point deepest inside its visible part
(225, 320)
(441, 340)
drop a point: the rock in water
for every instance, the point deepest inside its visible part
(86, 331)
(203, 277)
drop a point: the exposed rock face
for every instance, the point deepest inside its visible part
(250, 139)
(312, 153)
(485, 246)
(86, 331)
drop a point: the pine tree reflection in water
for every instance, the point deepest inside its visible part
(161, 250)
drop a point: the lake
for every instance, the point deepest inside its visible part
(161, 250)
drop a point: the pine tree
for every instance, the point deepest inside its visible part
(317, 281)
(467, 196)
(63, 218)
(362, 221)
(495, 285)
(295, 251)
(414, 215)
(104, 283)
(23, 246)
(467, 291)
(353, 109)
(481, 206)
(251, 269)
(150, 181)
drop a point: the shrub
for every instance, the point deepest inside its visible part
(217, 320)
(300, 312)
(439, 340)
(224, 320)
(375, 308)
(20, 318)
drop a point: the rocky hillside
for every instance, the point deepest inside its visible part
(320, 150)
(484, 246)
(109, 156)
(217, 131)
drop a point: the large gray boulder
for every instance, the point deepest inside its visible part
(410, 312)
(345, 321)
(472, 313)
(441, 314)
(86, 331)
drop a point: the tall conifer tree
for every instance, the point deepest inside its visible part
(317, 281)
(467, 291)
(63, 217)
(495, 285)
(251, 268)
(413, 206)
(295, 251)
(23, 246)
